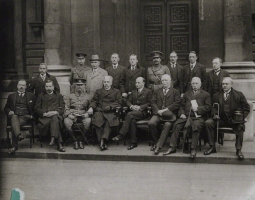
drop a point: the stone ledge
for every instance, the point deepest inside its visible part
(244, 64)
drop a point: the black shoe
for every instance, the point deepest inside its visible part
(13, 150)
(101, 147)
(193, 153)
(170, 151)
(20, 137)
(134, 145)
(117, 138)
(81, 145)
(61, 149)
(239, 154)
(157, 150)
(153, 147)
(211, 150)
(105, 146)
(75, 145)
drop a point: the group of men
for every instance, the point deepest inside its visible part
(181, 98)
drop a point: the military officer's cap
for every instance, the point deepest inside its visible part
(81, 55)
(79, 81)
(156, 54)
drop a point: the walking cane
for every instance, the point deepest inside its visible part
(81, 132)
(217, 127)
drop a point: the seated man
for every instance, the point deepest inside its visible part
(104, 104)
(229, 101)
(137, 101)
(50, 108)
(165, 103)
(19, 109)
(75, 111)
(196, 104)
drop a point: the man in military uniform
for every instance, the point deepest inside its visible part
(75, 111)
(78, 71)
(115, 70)
(37, 84)
(95, 76)
(155, 72)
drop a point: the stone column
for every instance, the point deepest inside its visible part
(237, 30)
(57, 38)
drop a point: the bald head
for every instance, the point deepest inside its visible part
(139, 83)
(196, 83)
(166, 81)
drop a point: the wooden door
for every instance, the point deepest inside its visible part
(166, 26)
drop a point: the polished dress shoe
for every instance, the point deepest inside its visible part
(75, 145)
(157, 150)
(101, 147)
(105, 147)
(193, 153)
(153, 147)
(134, 145)
(61, 149)
(170, 151)
(81, 145)
(211, 150)
(13, 150)
(239, 154)
(20, 137)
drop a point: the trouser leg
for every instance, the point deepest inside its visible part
(153, 123)
(195, 134)
(55, 129)
(164, 134)
(239, 138)
(68, 125)
(106, 130)
(177, 127)
(210, 125)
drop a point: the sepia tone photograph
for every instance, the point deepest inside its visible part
(127, 99)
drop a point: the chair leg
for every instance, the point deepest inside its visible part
(31, 138)
(41, 140)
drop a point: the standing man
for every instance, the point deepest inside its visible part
(196, 104)
(103, 106)
(50, 108)
(215, 77)
(176, 72)
(129, 76)
(229, 101)
(37, 84)
(165, 103)
(78, 71)
(115, 70)
(155, 72)
(19, 109)
(137, 101)
(95, 76)
(194, 69)
(76, 106)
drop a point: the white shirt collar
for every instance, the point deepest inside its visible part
(194, 64)
(115, 66)
(50, 93)
(228, 91)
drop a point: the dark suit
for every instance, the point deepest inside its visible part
(116, 75)
(128, 78)
(210, 83)
(238, 102)
(177, 81)
(172, 101)
(18, 120)
(141, 99)
(198, 71)
(203, 100)
(54, 102)
(37, 85)
(104, 120)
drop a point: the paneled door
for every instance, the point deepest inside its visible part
(167, 26)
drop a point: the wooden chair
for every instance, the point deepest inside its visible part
(28, 127)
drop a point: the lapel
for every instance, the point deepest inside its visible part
(161, 94)
(211, 76)
(139, 94)
(195, 68)
(93, 75)
(107, 93)
(114, 71)
(170, 91)
(40, 79)
(221, 76)
(15, 98)
(220, 97)
(131, 72)
(49, 97)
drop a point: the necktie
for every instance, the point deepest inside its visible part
(132, 68)
(43, 78)
(191, 67)
(226, 95)
(114, 67)
(21, 94)
(173, 66)
(165, 91)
